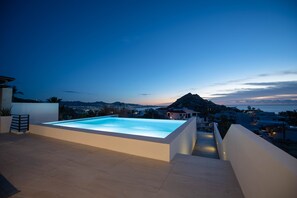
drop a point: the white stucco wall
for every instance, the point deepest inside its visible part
(39, 112)
(5, 97)
(262, 169)
(185, 141)
(219, 142)
(143, 148)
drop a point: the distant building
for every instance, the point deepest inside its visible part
(184, 114)
(268, 119)
(181, 114)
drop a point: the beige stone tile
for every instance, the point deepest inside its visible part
(142, 173)
(215, 174)
(54, 187)
(117, 186)
(97, 161)
(185, 186)
(45, 167)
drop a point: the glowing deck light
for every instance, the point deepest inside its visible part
(210, 136)
(209, 149)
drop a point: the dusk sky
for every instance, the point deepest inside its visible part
(151, 52)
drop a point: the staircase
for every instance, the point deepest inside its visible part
(205, 145)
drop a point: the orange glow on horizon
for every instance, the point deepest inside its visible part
(157, 102)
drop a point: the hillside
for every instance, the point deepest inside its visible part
(102, 104)
(196, 103)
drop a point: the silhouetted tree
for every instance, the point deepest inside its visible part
(151, 113)
(15, 91)
(290, 117)
(66, 113)
(54, 100)
(224, 125)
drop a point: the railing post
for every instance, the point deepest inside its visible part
(28, 122)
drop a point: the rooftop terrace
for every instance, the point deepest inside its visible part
(45, 167)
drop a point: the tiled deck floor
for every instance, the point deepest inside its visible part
(45, 167)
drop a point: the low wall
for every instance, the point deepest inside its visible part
(262, 169)
(219, 142)
(39, 112)
(185, 141)
(141, 148)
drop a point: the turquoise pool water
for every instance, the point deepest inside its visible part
(132, 126)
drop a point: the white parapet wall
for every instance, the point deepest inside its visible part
(39, 112)
(137, 147)
(182, 140)
(219, 142)
(262, 169)
(185, 141)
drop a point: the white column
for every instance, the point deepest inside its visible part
(5, 97)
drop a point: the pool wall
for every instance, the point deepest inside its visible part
(182, 140)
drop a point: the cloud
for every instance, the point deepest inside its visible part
(242, 80)
(273, 91)
(219, 95)
(145, 94)
(289, 72)
(74, 92)
(285, 72)
(264, 83)
(232, 81)
(77, 92)
(263, 75)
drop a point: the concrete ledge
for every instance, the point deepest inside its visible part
(185, 140)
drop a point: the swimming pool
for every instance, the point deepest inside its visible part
(143, 127)
(151, 138)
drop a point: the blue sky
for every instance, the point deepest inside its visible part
(151, 52)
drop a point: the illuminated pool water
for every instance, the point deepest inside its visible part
(132, 126)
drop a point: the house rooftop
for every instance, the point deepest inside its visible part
(6, 79)
(45, 167)
(176, 111)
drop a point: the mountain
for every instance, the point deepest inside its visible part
(79, 103)
(16, 99)
(196, 103)
(102, 104)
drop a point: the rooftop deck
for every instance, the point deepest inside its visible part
(45, 167)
